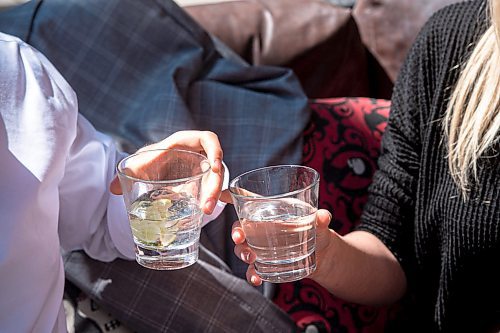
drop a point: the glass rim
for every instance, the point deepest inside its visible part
(201, 174)
(276, 196)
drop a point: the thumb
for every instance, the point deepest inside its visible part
(323, 219)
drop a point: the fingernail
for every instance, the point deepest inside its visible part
(253, 279)
(245, 256)
(210, 205)
(236, 236)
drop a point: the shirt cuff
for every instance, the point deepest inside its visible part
(119, 227)
(219, 207)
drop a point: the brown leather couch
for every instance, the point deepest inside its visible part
(335, 51)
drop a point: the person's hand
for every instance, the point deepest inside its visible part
(199, 141)
(225, 196)
(246, 254)
(324, 240)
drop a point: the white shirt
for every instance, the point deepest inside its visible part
(54, 177)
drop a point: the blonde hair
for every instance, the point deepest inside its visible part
(472, 119)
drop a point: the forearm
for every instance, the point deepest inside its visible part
(359, 268)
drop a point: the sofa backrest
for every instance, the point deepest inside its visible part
(335, 51)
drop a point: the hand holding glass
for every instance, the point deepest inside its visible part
(277, 209)
(162, 191)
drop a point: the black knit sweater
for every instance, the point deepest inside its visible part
(449, 248)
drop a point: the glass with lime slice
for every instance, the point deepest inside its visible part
(163, 204)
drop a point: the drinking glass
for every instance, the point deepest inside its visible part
(162, 191)
(277, 208)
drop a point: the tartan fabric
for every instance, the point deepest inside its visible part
(142, 70)
(201, 298)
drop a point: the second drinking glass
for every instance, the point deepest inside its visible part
(277, 208)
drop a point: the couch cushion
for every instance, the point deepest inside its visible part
(342, 142)
(389, 27)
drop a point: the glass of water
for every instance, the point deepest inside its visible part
(277, 208)
(162, 191)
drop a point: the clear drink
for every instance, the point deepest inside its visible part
(283, 235)
(166, 229)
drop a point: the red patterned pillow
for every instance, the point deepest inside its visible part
(342, 143)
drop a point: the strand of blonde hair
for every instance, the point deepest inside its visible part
(472, 120)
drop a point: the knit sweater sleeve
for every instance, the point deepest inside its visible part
(390, 211)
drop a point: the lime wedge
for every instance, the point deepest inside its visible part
(145, 231)
(153, 223)
(168, 237)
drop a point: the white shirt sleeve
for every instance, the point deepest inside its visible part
(90, 216)
(55, 171)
